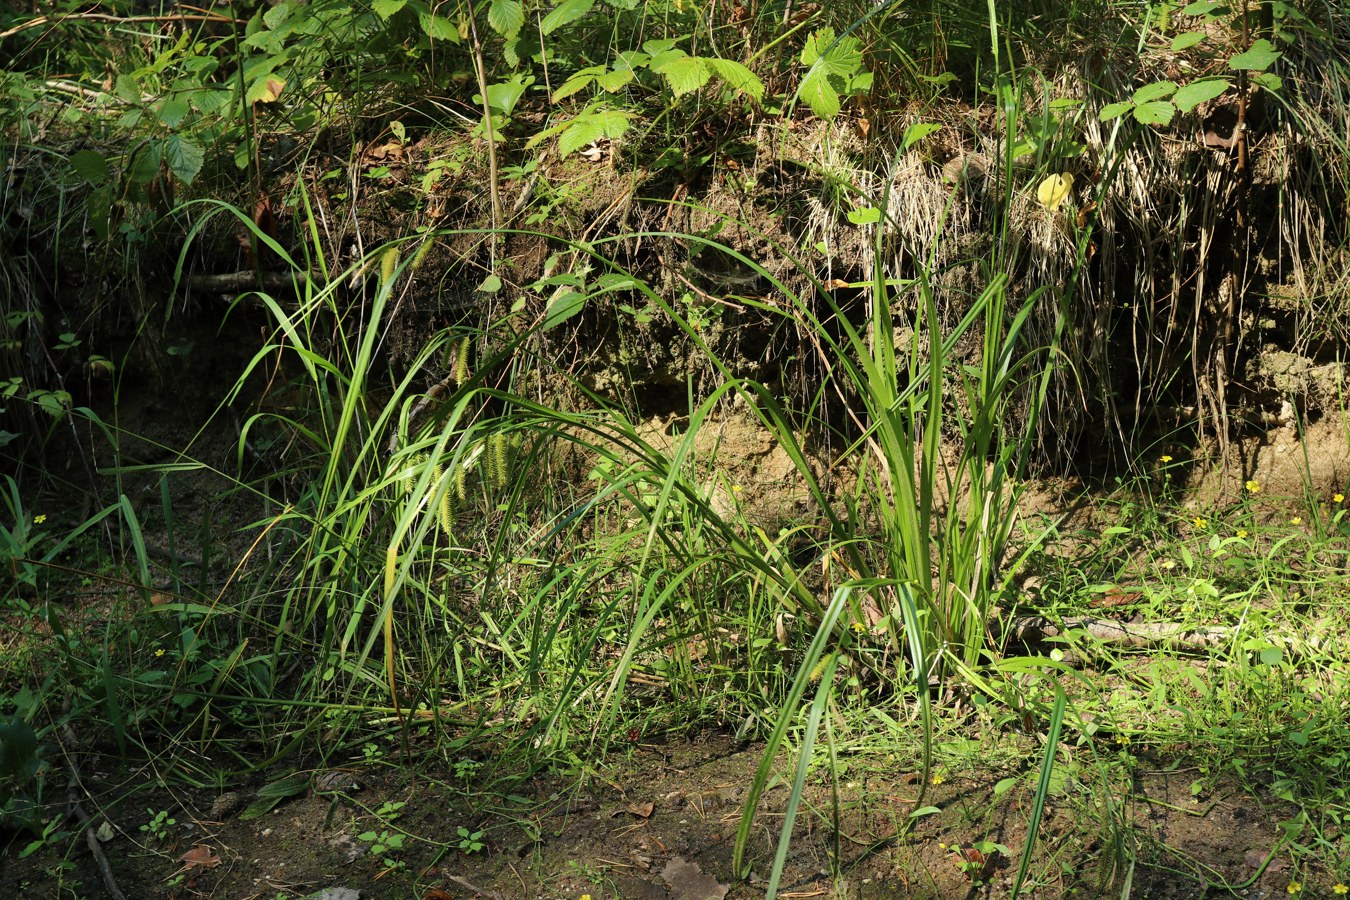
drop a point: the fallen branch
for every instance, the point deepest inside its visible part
(1177, 635)
(248, 279)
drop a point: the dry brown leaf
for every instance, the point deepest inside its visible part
(642, 810)
(201, 856)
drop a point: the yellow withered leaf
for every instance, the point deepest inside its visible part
(1054, 190)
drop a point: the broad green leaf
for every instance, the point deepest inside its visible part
(868, 215)
(738, 76)
(386, 8)
(491, 284)
(1187, 40)
(1197, 92)
(819, 95)
(504, 95)
(173, 110)
(1157, 112)
(565, 13)
(506, 17)
(90, 165)
(184, 157)
(438, 27)
(564, 305)
(1203, 8)
(917, 132)
(1115, 110)
(1268, 81)
(1258, 57)
(684, 74)
(1155, 91)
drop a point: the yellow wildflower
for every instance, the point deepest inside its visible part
(1168, 564)
(1164, 459)
(1242, 532)
(1340, 889)
(937, 778)
(159, 652)
(1200, 522)
(859, 628)
(1338, 498)
(1296, 520)
(1294, 887)
(39, 519)
(1253, 487)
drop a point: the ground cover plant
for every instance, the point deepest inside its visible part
(673, 450)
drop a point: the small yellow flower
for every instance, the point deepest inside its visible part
(585, 897)
(1168, 564)
(1242, 532)
(1296, 520)
(39, 519)
(938, 779)
(1340, 888)
(1122, 738)
(159, 652)
(1253, 487)
(1164, 459)
(858, 627)
(1200, 522)
(736, 488)
(941, 845)
(1294, 887)
(1338, 498)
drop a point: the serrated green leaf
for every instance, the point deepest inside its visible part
(1115, 110)
(1197, 92)
(581, 132)
(1155, 91)
(565, 13)
(438, 27)
(684, 74)
(184, 157)
(1259, 57)
(506, 17)
(1187, 40)
(1156, 112)
(660, 46)
(91, 166)
(613, 81)
(387, 8)
(738, 77)
(837, 56)
(173, 110)
(571, 86)
(817, 92)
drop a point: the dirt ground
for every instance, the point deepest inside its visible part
(660, 823)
